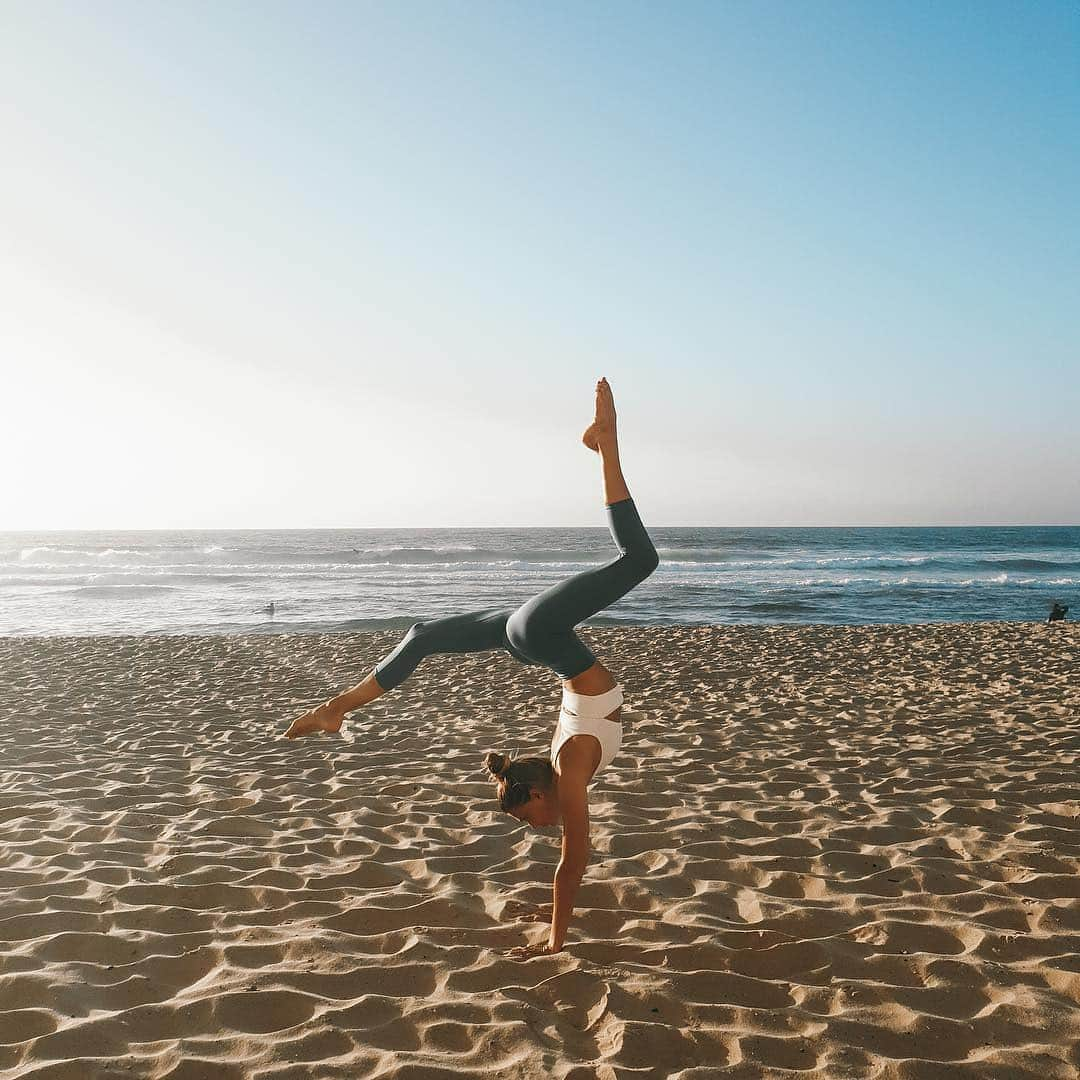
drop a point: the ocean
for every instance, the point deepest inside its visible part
(222, 582)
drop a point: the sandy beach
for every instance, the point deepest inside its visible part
(823, 852)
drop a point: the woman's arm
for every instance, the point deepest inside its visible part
(574, 805)
(576, 766)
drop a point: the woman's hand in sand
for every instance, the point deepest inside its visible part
(527, 952)
(520, 911)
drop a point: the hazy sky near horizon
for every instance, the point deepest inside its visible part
(358, 264)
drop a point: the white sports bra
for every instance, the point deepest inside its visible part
(585, 714)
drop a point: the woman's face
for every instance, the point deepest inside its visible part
(541, 809)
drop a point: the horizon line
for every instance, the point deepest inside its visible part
(654, 525)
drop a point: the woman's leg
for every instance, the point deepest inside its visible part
(476, 631)
(543, 627)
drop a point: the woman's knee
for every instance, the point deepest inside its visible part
(517, 633)
(415, 641)
(530, 633)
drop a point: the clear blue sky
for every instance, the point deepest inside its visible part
(274, 265)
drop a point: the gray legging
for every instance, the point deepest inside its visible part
(541, 631)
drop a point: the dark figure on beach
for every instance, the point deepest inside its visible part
(537, 790)
(1058, 613)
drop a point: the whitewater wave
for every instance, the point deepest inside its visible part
(230, 558)
(53, 556)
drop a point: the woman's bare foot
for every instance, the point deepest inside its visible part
(322, 718)
(601, 431)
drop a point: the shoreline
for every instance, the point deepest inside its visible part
(587, 626)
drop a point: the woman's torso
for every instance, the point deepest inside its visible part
(592, 720)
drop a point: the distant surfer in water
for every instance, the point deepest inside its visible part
(552, 790)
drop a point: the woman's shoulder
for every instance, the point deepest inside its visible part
(578, 759)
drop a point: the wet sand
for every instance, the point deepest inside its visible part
(823, 852)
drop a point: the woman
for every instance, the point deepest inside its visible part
(541, 631)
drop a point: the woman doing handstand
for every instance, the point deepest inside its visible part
(541, 631)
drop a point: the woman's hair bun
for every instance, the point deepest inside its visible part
(496, 764)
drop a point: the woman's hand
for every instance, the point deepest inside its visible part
(527, 952)
(522, 911)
